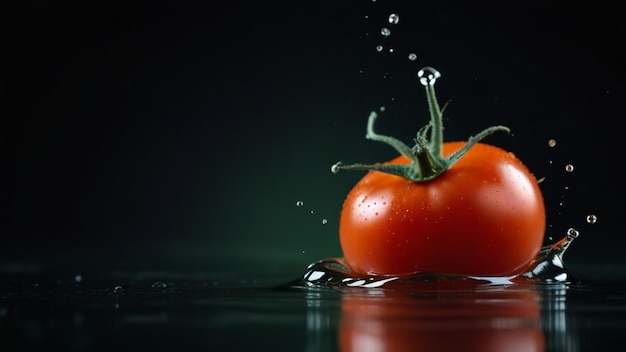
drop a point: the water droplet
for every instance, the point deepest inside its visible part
(312, 212)
(569, 167)
(324, 221)
(379, 48)
(428, 76)
(159, 285)
(551, 143)
(391, 50)
(335, 168)
(299, 203)
(591, 219)
(78, 278)
(385, 32)
(394, 19)
(572, 233)
(117, 290)
(412, 56)
(382, 108)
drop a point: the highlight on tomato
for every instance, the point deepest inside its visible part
(461, 207)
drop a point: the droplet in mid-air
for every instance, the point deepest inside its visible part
(335, 168)
(591, 219)
(572, 233)
(385, 32)
(551, 143)
(428, 76)
(299, 203)
(394, 18)
(412, 56)
(324, 221)
(569, 167)
(379, 48)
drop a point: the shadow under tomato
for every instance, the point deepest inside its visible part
(493, 320)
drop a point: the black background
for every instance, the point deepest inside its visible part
(144, 136)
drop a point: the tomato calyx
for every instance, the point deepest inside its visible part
(426, 156)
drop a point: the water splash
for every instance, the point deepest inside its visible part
(547, 268)
(548, 265)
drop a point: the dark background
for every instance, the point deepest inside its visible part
(138, 136)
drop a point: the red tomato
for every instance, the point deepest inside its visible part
(456, 208)
(484, 216)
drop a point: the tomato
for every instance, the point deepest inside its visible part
(483, 216)
(475, 212)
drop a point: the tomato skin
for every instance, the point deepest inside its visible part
(485, 216)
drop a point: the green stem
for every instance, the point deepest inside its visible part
(426, 156)
(436, 119)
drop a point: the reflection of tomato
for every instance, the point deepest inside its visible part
(500, 321)
(484, 216)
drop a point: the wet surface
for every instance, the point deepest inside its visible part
(165, 311)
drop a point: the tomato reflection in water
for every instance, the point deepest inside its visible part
(488, 320)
